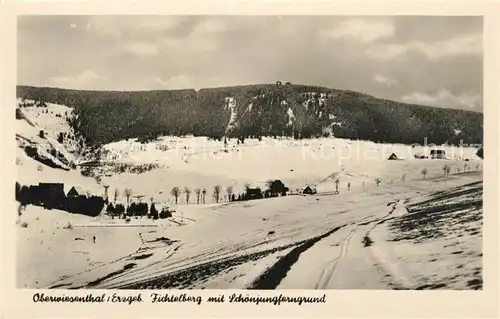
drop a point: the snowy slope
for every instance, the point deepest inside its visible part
(317, 238)
(197, 162)
(31, 171)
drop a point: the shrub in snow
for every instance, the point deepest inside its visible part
(367, 241)
(165, 213)
(424, 172)
(24, 225)
(68, 226)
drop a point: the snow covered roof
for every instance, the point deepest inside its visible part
(79, 190)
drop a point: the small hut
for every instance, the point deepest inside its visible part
(393, 157)
(308, 190)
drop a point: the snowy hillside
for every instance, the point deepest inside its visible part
(39, 130)
(406, 223)
(197, 162)
(299, 242)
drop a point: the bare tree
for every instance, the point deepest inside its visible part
(217, 190)
(445, 169)
(187, 192)
(477, 167)
(198, 193)
(448, 170)
(204, 192)
(247, 186)
(377, 181)
(466, 167)
(175, 192)
(424, 172)
(403, 178)
(229, 191)
(115, 195)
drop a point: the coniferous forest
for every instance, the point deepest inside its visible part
(297, 111)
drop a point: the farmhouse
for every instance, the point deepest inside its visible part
(438, 154)
(254, 193)
(50, 193)
(76, 191)
(308, 190)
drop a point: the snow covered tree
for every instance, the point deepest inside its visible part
(229, 191)
(127, 192)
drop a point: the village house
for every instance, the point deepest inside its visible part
(308, 190)
(254, 193)
(438, 154)
(393, 156)
(76, 191)
(51, 194)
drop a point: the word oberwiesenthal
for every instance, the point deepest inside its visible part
(177, 298)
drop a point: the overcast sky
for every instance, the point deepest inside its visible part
(425, 60)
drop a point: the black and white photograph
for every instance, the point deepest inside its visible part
(256, 152)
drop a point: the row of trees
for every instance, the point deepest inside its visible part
(200, 194)
(274, 188)
(102, 117)
(137, 210)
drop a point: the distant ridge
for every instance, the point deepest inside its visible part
(301, 111)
